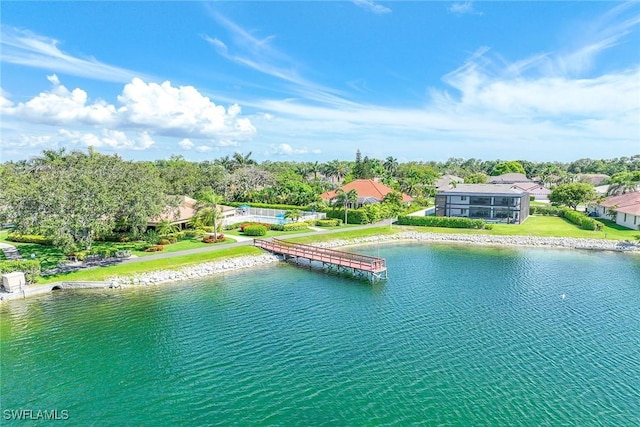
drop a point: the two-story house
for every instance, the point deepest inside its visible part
(493, 202)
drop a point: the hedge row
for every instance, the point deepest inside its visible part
(545, 210)
(290, 226)
(442, 221)
(328, 222)
(30, 268)
(28, 238)
(581, 220)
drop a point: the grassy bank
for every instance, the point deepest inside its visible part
(173, 263)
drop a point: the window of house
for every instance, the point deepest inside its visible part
(625, 217)
(463, 198)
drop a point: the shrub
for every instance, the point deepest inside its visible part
(545, 210)
(188, 234)
(164, 242)
(30, 268)
(442, 221)
(354, 216)
(244, 225)
(28, 238)
(123, 253)
(211, 239)
(156, 248)
(328, 222)
(277, 227)
(255, 230)
(295, 226)
(581, 220)
(105, 252)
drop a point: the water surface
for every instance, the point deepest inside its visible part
(456, 336)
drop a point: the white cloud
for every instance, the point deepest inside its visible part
(32, 50)
(157, 108)
(186, 144)
(371, 6)
(107, 139)
(179, 111)
(288, 150)
(463, 8)
(203, 148)
(61, 107)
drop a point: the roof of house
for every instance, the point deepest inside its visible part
(623, 202)
(366, 189)
(489, 189)
(528, 186)
(184, 212)
(508, 178)
(445, 181)
(593, 178)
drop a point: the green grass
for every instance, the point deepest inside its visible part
(346, 234)
(544, 226)
(51, 257)
(128, 269)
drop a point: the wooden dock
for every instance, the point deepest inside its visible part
(374, 267)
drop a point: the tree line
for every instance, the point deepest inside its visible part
(71, 197)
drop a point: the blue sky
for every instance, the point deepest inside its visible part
(307, 81)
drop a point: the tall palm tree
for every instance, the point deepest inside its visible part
(345, 198)
(207, 210)
(624, 183)
(241, 160)
(391, 165)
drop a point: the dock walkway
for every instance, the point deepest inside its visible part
(374, 266)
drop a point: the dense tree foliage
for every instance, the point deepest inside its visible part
(573, 194)
(73, 198)
(507, 167)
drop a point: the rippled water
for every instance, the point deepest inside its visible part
(456, 336)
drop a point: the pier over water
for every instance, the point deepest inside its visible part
(374, 267)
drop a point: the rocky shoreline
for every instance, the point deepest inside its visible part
(488, 240)
(237, 263)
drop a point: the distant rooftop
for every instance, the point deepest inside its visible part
(494, 189)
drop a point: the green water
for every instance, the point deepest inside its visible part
(456, 336)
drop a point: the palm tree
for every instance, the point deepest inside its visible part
(624, 183)
(225, 162)
(166, 227)
(241, 160)
(293, 214)
(391, 165)
(336, 169)
(207, 211)
(345, 198)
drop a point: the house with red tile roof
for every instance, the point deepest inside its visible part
(369, 191)
(626, 209)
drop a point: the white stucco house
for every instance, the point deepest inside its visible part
(623, 209)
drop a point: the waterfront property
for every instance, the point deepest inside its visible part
(185, 211)
(623, 209)
(492, 202)
(369, 191)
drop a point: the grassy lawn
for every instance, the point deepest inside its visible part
(544, 226)
(51, 257)
(347, 234)
(128, 269)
